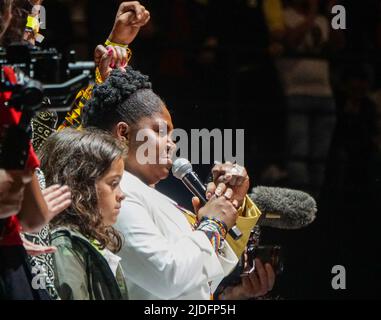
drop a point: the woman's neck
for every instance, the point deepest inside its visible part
(137, 172)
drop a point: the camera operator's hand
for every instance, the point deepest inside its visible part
(33, 249)
(234, 177)
(36, 212)
(131, 16)
(109, 58)
(219, 206)
(253, 285)
(12, 185)
(58, 198)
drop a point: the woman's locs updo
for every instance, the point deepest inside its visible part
(124, 96)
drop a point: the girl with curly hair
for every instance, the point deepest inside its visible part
(91, 164)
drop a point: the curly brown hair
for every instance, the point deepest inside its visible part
(78, 159)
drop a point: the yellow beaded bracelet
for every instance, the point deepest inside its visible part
(110, 43)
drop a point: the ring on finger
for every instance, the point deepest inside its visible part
(235, 170)
(227, 196)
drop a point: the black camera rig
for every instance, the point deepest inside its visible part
(45, 78)
(45, 81)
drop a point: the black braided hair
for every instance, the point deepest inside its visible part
(124, 96)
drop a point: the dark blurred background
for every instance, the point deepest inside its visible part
(308, 97)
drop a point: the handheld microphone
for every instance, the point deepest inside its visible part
(284, 208)
(182, 169)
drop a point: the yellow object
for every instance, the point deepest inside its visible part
(248, 218)
(273, 12)
(125, 46)
(110, 43)
(98, 77)
(33, 24)
(73, 117)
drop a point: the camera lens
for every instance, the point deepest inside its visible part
(32, 94)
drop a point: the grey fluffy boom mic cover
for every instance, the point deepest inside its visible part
(284, 208)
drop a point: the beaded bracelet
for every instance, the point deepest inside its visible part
(215, 230)
(222, 227)
(214, 238)
(113, 44)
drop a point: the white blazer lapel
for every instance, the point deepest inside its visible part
(169, 208)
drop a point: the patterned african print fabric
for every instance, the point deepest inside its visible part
(42, 266)
(43, 125)
(73, 117)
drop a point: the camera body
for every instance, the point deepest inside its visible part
(38, 87)
(27, 93)
(271, 254)
(267, 254)
(45, 65)
(44, 79)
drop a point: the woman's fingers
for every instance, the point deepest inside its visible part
(114, 58)
(262, 277)
(270, 275)
(61, 207)
(57, 198)
(105, 62)
(99, 51)
(44, 250)
(228, 194)
(119, 57)
(60, 202)
(210, 190)
(131, 6)
(251, 285)
(196, 204)
(217, 171)
(146, 16)
(143, 20)
(47, 191)
(240, 180)
(35, 249)
(53, 193)
(139, 10)
(229, 173)
(221, 187)
(123, 63)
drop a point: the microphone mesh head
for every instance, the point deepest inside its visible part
(181, 167)
(297, 209)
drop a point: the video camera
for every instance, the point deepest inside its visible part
(45, 78)
(45, 81)
(267, 254)
(271, 254)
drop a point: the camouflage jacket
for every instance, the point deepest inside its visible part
(81, 271)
